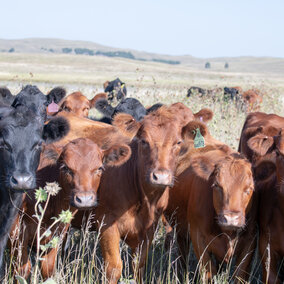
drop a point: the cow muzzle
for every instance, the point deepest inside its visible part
(22, 181)
(84, 200)
(161, 177)
(231, 220)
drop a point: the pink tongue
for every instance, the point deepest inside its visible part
(53, 107)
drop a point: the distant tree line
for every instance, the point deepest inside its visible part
(90, 52)
(173, 62)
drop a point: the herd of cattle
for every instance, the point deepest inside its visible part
(134, 166)
(249, 100)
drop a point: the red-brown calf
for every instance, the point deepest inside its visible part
(78, 171)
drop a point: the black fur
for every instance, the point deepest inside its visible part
(22, 132)
(6, 97)
(129, 105)
(154, 107)
(105, 108)
(57, 128)
(116, 88)
(56, 95)
(193, 89)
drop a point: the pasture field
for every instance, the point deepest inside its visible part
(149, 82)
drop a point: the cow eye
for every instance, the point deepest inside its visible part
(248, 191)
(66, 108)
(179, 142)
(66, 170)
(144, 142)
(37, 146)
(100, 170)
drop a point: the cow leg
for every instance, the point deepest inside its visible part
(110, 249)
(48, 263)
(183, 245)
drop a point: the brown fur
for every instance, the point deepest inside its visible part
(130, 198)
(78, 171)
(78, 104)
(262, 143)
(196, 202)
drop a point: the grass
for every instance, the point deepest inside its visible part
(81, 260)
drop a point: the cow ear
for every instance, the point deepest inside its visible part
(104, 107)
(204, 115)
(56, 95)
(202, 167)
(55, 129)
(260, 144)
(116, 155)
(188, 132)
(96, 98)
(126, 124)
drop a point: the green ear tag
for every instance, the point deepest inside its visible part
(199, 141)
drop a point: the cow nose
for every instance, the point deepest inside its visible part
(232, 219)
(22, 181)
(85, 200)
(161, 177)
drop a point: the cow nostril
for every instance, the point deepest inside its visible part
(155, 177)
(78, 199)
(13, 180)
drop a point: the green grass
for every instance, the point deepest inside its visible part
(150, 83)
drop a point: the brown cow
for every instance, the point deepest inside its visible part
(79, 104)
(213, 196)
(252, 100)
(78, 171)
(133, 196)
(262, 143)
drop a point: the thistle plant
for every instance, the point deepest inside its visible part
(42, 196)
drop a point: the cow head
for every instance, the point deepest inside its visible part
(21, 137)
(230, 177)
(79, 104)
(115, 88)
(159, 138)
(36, 101)
(82, 164)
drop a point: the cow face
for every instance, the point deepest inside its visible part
(115, 88)
(36, 101)
(82, 164)
(79, 104)
(233, 186)
(21, 137)
(231, 181)
(159, 139)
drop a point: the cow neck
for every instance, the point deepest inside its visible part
(9, 206)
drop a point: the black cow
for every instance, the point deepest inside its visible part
(129, 105)
(36, 101)
(231, 93)
(193, 90)
(6, 98)
(115, 88)
(22, 133)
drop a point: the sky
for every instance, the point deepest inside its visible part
(201, 28)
